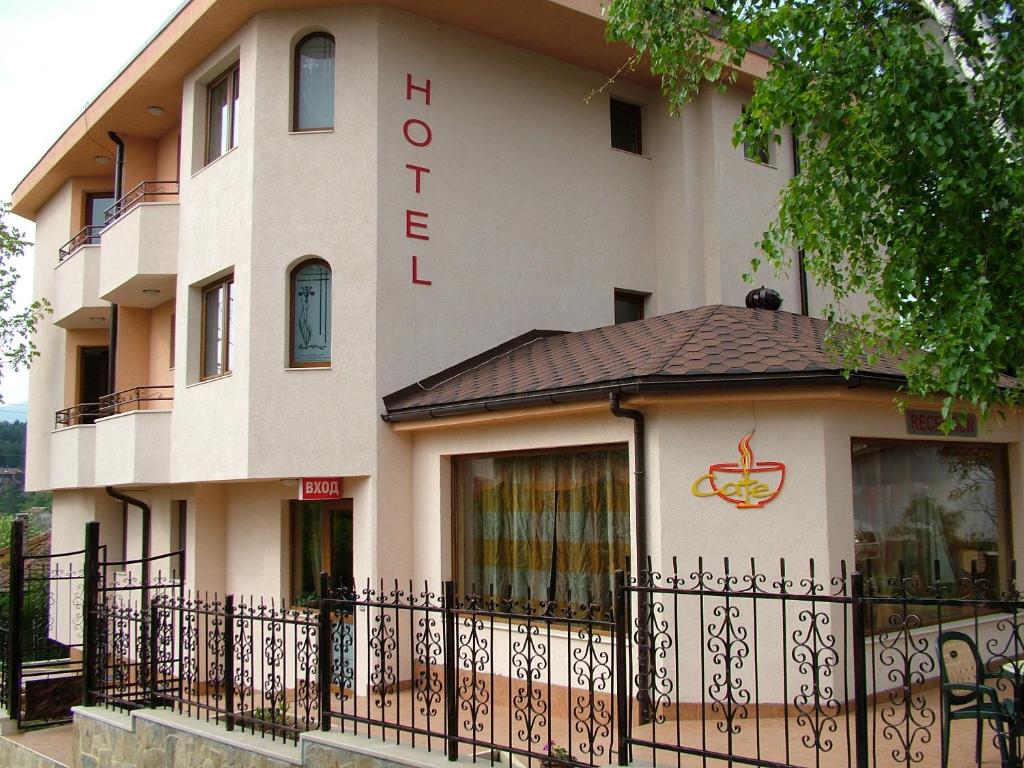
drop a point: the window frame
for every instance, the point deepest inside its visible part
(1001, 487)
(231, 76)
(637, 298)
(457, 509)
(296, 71)
(225, 342)
(636, 110)
(292, 276)
(762, 153)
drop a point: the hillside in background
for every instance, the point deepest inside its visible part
(13, 498)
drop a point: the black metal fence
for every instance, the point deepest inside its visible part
(720, 665)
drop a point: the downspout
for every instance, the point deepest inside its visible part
(800, 256)
(644, 608)
(146, 523)
(118, 191)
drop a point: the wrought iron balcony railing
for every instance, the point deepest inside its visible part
(135, 398)
(88, 235)
(144, 192)
(132, 399)
(83, 413)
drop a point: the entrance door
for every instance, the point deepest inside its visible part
(96, 206)
(321, 541)
(93, 381)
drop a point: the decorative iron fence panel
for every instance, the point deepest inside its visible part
(724, 666)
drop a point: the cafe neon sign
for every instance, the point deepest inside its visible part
(748, 484)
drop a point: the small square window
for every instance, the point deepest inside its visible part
(627, 133)
(629, 306)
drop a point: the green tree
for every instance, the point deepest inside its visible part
(16, 325)
(911, 187)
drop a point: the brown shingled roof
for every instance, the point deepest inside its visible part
(695, 347)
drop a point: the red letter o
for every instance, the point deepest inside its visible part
(427, 138)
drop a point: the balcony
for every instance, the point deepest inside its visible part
(140, 247)
(76, 300)
(133, 436)
(73, 450)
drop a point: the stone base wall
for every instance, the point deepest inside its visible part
(161, 739)
(14, 755)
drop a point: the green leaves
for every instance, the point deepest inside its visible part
(16, 327)
(911, 188)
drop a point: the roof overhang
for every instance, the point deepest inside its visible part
(646, 387)
(569, 30)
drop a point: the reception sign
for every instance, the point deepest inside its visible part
(748, 484)
(930, 423)
(319, 488)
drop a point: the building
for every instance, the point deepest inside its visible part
(342, 212)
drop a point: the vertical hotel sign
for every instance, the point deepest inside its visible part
(418, 135)
(748, 484)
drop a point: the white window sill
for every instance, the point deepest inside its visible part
(311, 130)
(209, 379)
(629, 154)
(214, 161)
(310, 368)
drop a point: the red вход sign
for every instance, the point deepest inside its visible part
(319, 488)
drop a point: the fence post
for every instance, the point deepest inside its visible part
(154, 643)
(622, 697)
(451, 699)
(324, 660)
(17, 600)
(229, 661)
(860, 683)
(90, 599)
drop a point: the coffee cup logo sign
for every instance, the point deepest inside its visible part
(748, 484)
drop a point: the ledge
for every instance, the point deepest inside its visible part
(389, 752)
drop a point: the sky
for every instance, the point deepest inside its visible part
(55, 57)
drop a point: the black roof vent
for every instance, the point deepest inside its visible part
(764, 298)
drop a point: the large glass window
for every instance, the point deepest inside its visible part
(540, 526)
(935, 508)
(222, 114)
(314, 82)
(311, 314)
(218, 316)
(321, 541)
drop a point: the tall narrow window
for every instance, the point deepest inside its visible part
(314, 83)
(311, 315)
(222, 114)
(218, 312)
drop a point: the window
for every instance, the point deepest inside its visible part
(537, 526)
(314, 83)
(629, 306)
(762, 150)
(934, 508)
(627, 134)
(96, 205)
(218, 316)
(310, 314)
(222, 114)
(177, 538)
(321, 541)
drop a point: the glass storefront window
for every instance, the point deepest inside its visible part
(539, 526)
(938, 509)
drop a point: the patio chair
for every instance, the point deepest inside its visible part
(965, 696)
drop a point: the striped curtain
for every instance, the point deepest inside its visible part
(533, 523)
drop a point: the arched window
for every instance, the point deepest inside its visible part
(314, 82)
(310, 343)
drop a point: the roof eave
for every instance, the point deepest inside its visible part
(646, 385)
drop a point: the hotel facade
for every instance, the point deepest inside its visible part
(427, 291)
